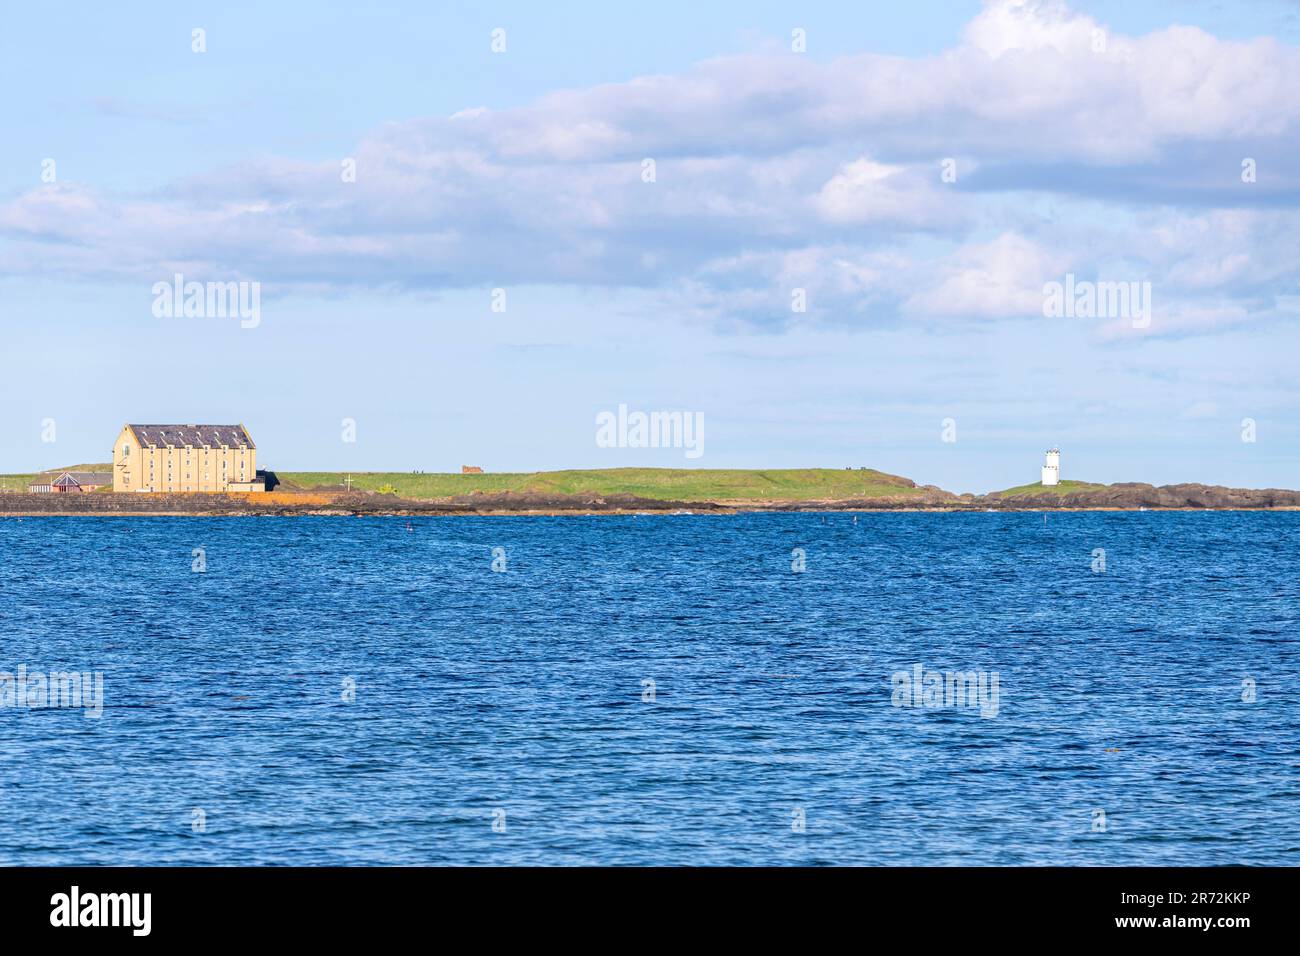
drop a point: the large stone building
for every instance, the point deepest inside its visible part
(211, 458)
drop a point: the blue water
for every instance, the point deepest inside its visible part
(478, 691)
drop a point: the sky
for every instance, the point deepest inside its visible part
(825, 229)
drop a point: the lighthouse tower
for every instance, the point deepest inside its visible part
(1052, 467)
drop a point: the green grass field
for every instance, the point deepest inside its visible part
(685, 484)
(1064, 488)
(682, 484)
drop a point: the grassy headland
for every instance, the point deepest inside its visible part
(663, 484)
(1066, 487)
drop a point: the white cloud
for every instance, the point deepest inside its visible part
(865, 191)
(1002, 278)
(1027, 25)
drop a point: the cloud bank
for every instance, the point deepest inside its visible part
(887, 190)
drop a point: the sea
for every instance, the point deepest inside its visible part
(924, 689)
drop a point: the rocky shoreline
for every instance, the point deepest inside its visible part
(1135, 495)
(1119, 497)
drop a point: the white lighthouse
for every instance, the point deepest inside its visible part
(1052, 467)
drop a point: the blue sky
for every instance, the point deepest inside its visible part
(775, 170)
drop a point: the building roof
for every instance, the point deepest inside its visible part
(85, 478)
(65, 478)
(195, 436)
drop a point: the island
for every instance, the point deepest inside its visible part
(620, 491)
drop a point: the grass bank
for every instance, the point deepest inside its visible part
(1064, 488)
(665, 484)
